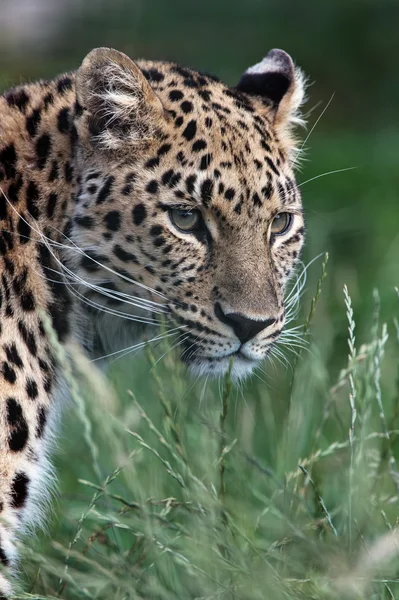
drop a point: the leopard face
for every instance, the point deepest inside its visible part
(187, 205)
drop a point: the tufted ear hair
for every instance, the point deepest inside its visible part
(280, 83)
(119, 105)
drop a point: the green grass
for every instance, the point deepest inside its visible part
(285, 487)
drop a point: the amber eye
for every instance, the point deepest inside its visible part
(184, 219)
(281, 223)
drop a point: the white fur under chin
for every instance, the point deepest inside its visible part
(241, 368)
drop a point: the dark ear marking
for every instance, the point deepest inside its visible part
(271, 78)
(280, 85)
(269, 85)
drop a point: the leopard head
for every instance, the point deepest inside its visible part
(187, 204)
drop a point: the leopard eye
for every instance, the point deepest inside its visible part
(281, 223)
(185, 220)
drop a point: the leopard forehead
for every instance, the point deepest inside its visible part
(217, 148)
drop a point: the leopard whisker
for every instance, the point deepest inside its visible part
(76, 248)
(112, 311)
(202, 395)
(327, 173)
(139, 345)
(100, 307)
(316, 122)
(181, 340)
(139, 303)
(48, 243)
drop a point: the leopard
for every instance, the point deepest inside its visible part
(136, 194)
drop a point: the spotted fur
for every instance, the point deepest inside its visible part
(92, 166)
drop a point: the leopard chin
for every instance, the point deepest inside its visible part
(241, 366)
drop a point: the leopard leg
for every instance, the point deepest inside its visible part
(27, 381)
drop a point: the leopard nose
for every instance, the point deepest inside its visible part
(244, 327)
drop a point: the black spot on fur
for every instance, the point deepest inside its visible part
(153, 75)
(199, 145)
(8, 373)
(63, 120)
(159, 241)
(68, 170)
(125, 256)
(31, 388)
(19, 490)
(32, 196)
(167, 176)
(113, 220)
(86, 222)
(43, 146)
(3, 206)
(59, 308)
(42, 420)
(28, 301)
(8, 158)
(3, 248)
(229, 194)
(19, 428)
(205, 95)
(139, 214)
(238, 207)
(190, 130)
(256, 199)
(183, 71)
(174, 180)
(187, 107)
(164, 149)
(9, 265)
(17, 98)
(48, 100)
(175, 95)
(23, 229)
(156, 230)
(14, 189)
(19, 282)
(12, 355)
(152, 162)
(28, 338)
(54, 171)
(205, 161)
(206, 191)
(152, 187)
(190, 182)
(51, 204)
(105, 190)
(267, 191)
(4, 560)
(64, 84)
(32, 122)
(272, 165)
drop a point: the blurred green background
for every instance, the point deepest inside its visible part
(349, 49)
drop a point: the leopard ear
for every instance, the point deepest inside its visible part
(280, 83)
(119, 105)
